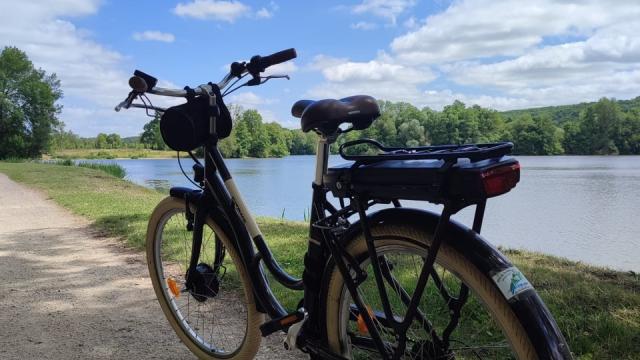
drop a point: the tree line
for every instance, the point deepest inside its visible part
(601, 128)
(29, 124)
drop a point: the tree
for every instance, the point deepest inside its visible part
(279, 140)
(28, 109)
(600, 126)
(411, 133)
(303, 143)
(151, 136)
(114, 141)
(251, 135)
(101, 141)
(536, 136)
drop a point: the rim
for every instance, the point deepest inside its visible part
(212, 325)
(477, 336)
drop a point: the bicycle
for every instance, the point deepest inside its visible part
(393, 283)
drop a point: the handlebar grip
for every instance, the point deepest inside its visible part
(279, 57)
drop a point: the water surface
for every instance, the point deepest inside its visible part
(581, 207)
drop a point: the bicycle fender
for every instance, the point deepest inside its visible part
(193, 196)
(525, 303)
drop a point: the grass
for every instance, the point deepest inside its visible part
(597, 309)
(111, 154)
(111, 169)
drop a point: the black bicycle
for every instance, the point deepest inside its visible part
(393, 283)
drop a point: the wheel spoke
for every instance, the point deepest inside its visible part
(400, 266)
(219, 330)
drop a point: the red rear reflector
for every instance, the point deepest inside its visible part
(501, 179)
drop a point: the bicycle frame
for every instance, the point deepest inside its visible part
(221, 191)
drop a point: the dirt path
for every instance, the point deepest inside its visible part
(67, 293)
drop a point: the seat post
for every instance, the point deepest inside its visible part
(322, 157)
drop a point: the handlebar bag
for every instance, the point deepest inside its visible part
(185, 127)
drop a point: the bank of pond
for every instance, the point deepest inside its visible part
(598, 309)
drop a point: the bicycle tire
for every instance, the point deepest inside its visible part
(248, 346)
(413, 238)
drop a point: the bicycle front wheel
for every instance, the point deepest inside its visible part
(217, 318)
(486, 327)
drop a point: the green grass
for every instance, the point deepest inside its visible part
(597, 309)
(111, 169)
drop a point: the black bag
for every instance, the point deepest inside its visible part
(185, 127)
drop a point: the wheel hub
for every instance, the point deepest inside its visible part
(429, 351)
(205, 283)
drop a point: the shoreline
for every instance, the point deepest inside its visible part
(282, 157)
(597, 308)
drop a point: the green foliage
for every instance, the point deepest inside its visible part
(605, 127)
(252, 138)
(28, 107)
(535, 136)
(151, 137)
(302, 143)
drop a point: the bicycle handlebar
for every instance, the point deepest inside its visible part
(259, 63)
(256, 65)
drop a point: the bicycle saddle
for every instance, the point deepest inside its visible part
(326, 115)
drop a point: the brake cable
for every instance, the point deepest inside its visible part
(229, 90)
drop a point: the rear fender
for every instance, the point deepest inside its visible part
(527, 306)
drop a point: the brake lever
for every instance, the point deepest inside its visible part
(127, 102)
(264, 79)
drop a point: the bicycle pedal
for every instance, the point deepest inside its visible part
(282, 322)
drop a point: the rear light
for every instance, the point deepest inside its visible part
(501, 179)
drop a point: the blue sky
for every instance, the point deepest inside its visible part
(500, 54)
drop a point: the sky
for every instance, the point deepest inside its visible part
(498, 54)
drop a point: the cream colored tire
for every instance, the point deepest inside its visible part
(482, 287)
(248, 347)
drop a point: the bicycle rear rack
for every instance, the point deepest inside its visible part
(448, 153)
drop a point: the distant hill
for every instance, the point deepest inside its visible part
(131, 140)
(563, 113)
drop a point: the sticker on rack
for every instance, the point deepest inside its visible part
(511, 282)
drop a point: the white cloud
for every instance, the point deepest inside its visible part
(90, 74)
(321, 62)
(388, 9)
(364, 25)
(248, 100)
(380, 78)
(150, 35)
(264, 13)
(375, 71)
(484, 28)
(221, 10)
(548, 52)
(282, 68)
(437, 99)
(411, 23)
(606, 64)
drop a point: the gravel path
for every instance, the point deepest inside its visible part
(68, 293)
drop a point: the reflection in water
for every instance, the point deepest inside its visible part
(580, 207)
(161, 185)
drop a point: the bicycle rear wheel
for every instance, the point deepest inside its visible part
(217, 319)
(487, 327)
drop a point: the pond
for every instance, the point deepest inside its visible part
(584, 208)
